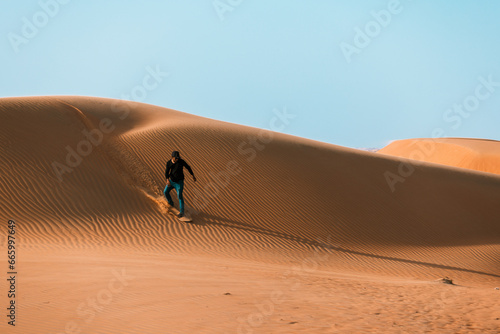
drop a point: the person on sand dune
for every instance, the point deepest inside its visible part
(175, 179)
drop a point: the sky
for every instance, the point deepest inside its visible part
(351, 73)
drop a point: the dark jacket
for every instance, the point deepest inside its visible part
(174, 171)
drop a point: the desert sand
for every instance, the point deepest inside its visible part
(477, 154)
(289, 235)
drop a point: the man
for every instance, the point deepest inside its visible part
(175, 179)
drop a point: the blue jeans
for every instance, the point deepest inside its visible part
(179, 187)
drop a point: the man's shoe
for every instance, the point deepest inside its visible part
(180, 215)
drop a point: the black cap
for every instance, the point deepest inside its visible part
(175, 154)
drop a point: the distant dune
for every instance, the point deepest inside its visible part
(83, 177)
(369, 149)
(477, 154)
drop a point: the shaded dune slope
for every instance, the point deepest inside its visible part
(285, 197)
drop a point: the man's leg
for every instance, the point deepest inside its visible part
(166, 192)
(180, 188)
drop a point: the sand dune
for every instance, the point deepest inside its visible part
(477, 154)
(83, 179)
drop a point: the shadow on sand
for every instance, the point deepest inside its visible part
(205, 219)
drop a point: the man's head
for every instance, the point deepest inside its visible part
(175, 156)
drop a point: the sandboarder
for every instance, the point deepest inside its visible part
(175, 179)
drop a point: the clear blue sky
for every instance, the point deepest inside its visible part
(237, 60)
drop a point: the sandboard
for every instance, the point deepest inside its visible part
(174, 212)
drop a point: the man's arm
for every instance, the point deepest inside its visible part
(189, 170)
(167, 170)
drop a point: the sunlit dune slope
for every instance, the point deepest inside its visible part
(260, 195)
(477, 154)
